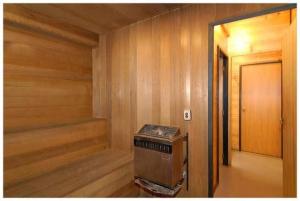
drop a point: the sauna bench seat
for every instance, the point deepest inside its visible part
(66, 160)
(100, 174)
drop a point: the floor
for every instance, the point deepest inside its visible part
(250, 175)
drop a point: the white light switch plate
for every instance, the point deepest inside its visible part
(187, 115)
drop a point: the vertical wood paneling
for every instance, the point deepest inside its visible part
(120, 90)
(133, 82)
(156, 83)
(289, 90)
(199, 102)
(170, 68)
(165, 70)
(109, 86)
(144, 72)
(185, 61)
(178, 75)
(100, 82)
(174, 78)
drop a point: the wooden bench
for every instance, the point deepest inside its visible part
(71, 160)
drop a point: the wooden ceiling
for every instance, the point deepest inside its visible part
(99, 18)
(264, 31)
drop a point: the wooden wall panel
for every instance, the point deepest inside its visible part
(133, 82)
(100, 80)
(159, 68)
(198, 154)
(120, 90)
(236, 62)
(47, 81)
(27, 19)
(289, 90)
(155, 74)
(144, 72)
(102, 17)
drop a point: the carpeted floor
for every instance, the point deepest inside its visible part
(250, 175)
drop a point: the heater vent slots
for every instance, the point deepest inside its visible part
(164, 148)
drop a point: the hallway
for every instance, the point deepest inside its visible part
(251, 175)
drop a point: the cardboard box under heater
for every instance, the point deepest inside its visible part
(158, 155)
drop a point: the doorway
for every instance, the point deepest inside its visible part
(263, 52)
(222, 61)
(260, 109)
(220, 155)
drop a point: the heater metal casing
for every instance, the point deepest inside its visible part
(159, 158)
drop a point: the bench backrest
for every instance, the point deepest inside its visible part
(32, 153)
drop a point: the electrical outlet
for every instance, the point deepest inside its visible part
(187, 116)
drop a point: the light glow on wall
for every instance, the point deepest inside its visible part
(217, 29)
(239, 41)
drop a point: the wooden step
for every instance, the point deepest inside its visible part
(48, 164)
(27, 158)
(88, 177)
(38, 139)
(33, 153)
(105, 186)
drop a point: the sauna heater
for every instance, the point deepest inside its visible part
(158, 155)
